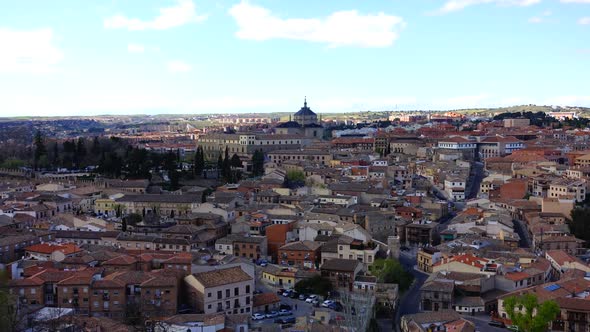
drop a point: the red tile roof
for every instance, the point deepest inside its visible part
(48, 248)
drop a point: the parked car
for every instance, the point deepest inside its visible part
(336, 306)
(311, 298)
(285, 306)
(285, 312)
(272, 314)
(258, 316)
(281, 291)
(327, 303)
(294, 295)
(285, 320)
(513, 328)
(287, 293)
(302, 297)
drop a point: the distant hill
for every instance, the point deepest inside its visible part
(582, 111)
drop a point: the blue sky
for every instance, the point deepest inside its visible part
(67, 57)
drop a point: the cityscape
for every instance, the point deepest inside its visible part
(184, 166)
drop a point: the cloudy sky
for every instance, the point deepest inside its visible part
(67, 57)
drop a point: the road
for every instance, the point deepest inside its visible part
(481, 323)
(521, 229)
(410, 303)
(476, 176)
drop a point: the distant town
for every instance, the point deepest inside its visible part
(408, 221)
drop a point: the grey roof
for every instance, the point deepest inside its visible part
(156, 198)
(445, 315)
(338, 264)
(305, 111)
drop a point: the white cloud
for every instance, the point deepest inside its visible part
(568, 101)
(31, 51)
(584, 20)
(183, 13)
(135, 48)
(541, 18)
(177, 66)
(456, 5)
(342, 28)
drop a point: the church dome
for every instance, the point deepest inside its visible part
(305, 111)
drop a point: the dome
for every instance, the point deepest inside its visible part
(305, 111)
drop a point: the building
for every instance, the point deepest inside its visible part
(304, 123)
(244, 144)
(300, 253)
(437, 294)
(518, 122)
(427, 256)
(322, 157)
(163, 205)
(253, 247)
(226, 290)
(568, 188)
(341, 272)
(48, 251)
(279, 276)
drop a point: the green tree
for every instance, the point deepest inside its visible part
(40, 149)
(80, 151)
(226, 166)
(391, 271)
(235, 161)
(55, 156)
(219, 165)
(294, 179)
(132, 219)
(530, 315)
(11, 317)
(258, 163)
(579, 223)
(314, 285)
(124, 225)
(199, 162)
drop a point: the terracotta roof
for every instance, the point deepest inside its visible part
(222, 277)
(265, 298)
(47, 248)
(121, 260)
(516, 276)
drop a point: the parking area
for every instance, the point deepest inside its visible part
(299, 308)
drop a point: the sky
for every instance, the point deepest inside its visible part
(70, 57)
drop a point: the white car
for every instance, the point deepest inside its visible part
(311, 298)
(258, 316)
(327, 303)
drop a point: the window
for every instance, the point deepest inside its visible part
(236, 291)
(219, 295)
(227, 293)
(247, 289)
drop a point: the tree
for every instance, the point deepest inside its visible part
(391, 271)
(258, 163)
(199, 163)
(530, 315)
(314, 285)
(55, 157)
(219, 165)
(226, 166)
(95, 149)
(12, 315)
(294, 179)
(80, 151)
(132, 219)
(235, 161)
(124, 225)
(579, 223)
(40, 149)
